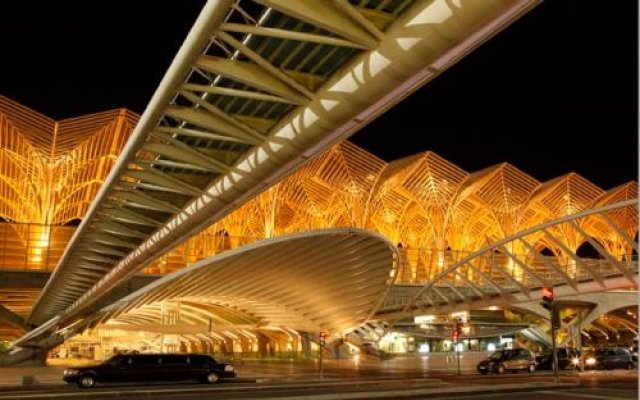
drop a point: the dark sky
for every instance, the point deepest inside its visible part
(555, 92)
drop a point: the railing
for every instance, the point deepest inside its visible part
(32, 246)
(420, 266)
(499, 270)
(39, 247)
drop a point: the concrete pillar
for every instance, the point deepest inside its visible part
(306, 339)
(339, 349)
(263, 342)
(297, 346)
(226, 346)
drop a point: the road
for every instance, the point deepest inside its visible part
(611, 385)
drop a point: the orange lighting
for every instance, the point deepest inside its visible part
(436, 210)
(51, 170)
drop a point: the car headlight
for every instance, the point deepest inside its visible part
(70, 371)
(228, 368)
(591, 361)
(575, 360)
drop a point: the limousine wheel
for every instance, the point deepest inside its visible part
(87, 381)
(212, 377)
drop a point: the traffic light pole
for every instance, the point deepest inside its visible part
(321, 355)
(458, 355)
(320, 363)
(554, 310)
(549, 303)
(456, 330)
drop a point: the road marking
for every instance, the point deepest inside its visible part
(585, 396)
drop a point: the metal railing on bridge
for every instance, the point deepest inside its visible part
(421, 266)
(499, 274)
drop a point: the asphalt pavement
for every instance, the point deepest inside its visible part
(365, 379)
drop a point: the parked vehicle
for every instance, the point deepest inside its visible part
(610, 358)
(512, 360)
(567, 358)
(149, 368)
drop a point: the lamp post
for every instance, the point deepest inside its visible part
(549, 303)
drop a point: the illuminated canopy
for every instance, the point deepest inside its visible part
(328, 280)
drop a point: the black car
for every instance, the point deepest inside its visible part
(150, 367)
(508, 360)
(610, 358)
(567, 358)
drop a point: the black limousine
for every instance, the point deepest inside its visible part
(150, 368)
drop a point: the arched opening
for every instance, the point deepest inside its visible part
(547, 252)
(73, 222)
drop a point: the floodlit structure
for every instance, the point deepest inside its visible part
(345, 275)
(436, 212)
(52, 170)
(257, 90)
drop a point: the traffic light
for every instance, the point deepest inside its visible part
(547, 298)
(457, 330)
(323, 338)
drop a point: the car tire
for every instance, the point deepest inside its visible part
(501, 369)
(212, 377)
(484, 372)
(86, 381)
(532, 368)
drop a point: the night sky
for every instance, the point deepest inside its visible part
(556, 92)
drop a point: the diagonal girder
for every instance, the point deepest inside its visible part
(327, 16)
(252, 75)
(332, 90)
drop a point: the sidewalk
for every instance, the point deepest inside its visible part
(11, 377)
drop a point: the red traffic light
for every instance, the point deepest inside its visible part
(454, 336)
(547, 298)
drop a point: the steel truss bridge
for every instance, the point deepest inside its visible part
(257, 89)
